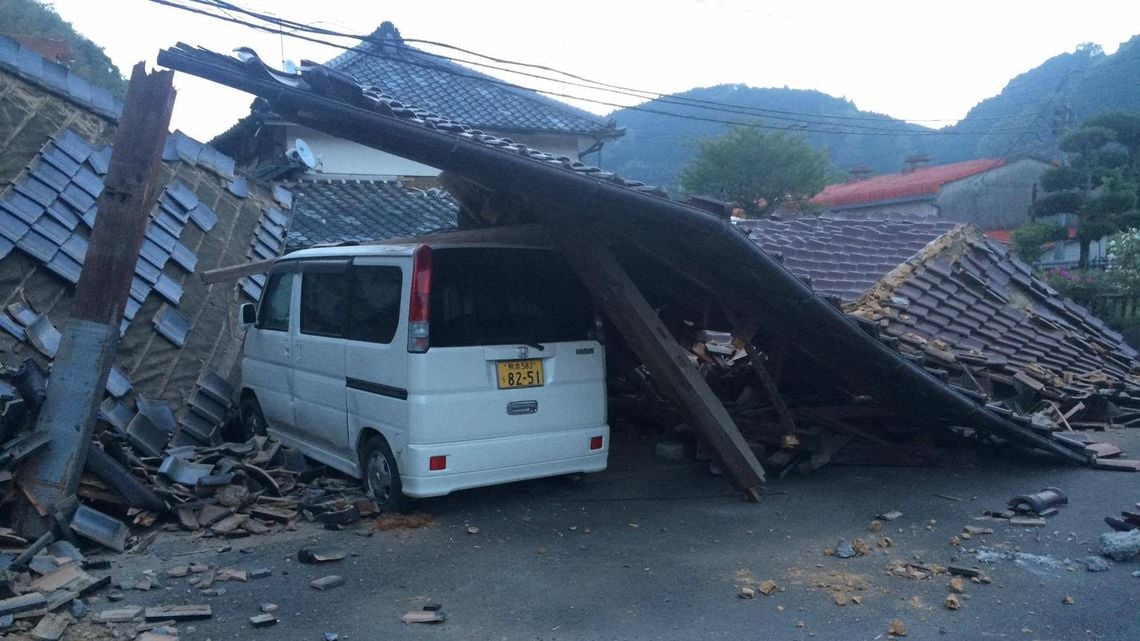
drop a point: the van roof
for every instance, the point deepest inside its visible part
(347, 251)
(520, 236)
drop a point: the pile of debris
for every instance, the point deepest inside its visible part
(142, 471)
(793, 423)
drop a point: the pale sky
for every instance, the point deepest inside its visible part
(910, 59)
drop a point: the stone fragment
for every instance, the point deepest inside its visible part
(327, 582)
(897, 628)
(1120, 546)
(767, 587)
(875, 526)
(952, 602)
(324, 554)
(746, 593)
(1096, 564)
(263, 620)
(844, 550)
(957, 584)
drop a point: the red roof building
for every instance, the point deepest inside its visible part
(994, 193)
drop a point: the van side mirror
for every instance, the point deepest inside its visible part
(248, 314)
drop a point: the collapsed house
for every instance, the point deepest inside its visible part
(350, 192)
(180, 346)
(178, 333)
(661, 270)
(958, 303)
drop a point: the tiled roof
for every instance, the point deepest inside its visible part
(969, 292)
(923, 181)
(204, 217)
(56, 78)
(331, 211)
(415, 77)
(844, 258)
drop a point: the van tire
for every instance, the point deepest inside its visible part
(251, 417)
(380, 475)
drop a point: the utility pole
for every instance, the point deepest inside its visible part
(91, 335)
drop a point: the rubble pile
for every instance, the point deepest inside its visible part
(145, 471)
(811, 426)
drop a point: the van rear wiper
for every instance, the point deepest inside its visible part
(535, 345)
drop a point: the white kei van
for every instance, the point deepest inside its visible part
(425, 369)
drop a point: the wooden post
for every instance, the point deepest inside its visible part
(786, 420)
(655, 345)
(91, 334)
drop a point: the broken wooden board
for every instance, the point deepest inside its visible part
(51, 627)
(178, 612)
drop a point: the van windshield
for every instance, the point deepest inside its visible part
(482, 296)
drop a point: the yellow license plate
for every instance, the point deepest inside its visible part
(527, 373)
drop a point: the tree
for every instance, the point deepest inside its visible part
(30, 18)
(757, 169)
(1100, 182)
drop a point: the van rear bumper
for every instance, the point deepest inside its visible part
(502, 460)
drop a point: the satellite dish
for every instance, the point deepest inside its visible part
(300, 153)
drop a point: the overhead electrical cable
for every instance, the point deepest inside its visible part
(276, 25)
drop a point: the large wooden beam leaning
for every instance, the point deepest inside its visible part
(656, 347)
(91, 334)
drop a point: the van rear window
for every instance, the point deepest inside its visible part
(483, 296)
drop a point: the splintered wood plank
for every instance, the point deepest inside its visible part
(178, 612)
(651, 340)
(51, 627)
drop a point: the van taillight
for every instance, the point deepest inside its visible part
(419, 307)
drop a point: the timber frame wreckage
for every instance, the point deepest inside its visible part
(790, 342)
(889, 364)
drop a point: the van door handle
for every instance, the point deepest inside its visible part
(522, 407)
(297, 351)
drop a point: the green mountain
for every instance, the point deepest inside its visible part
(1021, 119)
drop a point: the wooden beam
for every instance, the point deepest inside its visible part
(654, 344)
(234, 272)
(770, 388)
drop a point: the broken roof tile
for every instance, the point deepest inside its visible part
(203, 217)
(172, 325)
(182, 195)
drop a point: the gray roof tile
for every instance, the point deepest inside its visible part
(332, 211)
(415, 77)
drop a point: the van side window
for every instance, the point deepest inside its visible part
(374, 303)
(275, 303)
(324, 303)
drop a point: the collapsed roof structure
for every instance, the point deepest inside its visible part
(181, 344)
(631, 244)
(960, 301)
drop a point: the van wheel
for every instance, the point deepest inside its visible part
(251, 417)
(381, 476)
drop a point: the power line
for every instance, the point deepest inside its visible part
(646, 94)
(485, 79)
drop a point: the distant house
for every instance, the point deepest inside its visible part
(355, 192)
(992, 193)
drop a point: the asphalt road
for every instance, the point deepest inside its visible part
(656, 549)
